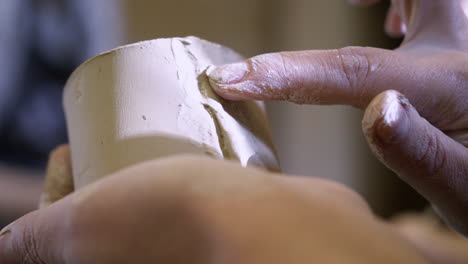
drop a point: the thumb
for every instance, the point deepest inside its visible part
(427, 159)
(30, 240)
(59, 180)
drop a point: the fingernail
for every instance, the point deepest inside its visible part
(383, 118)
(228, 74)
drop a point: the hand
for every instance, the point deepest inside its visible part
(197, 210)
(426, 145)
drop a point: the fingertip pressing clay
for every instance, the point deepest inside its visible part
(152, 99)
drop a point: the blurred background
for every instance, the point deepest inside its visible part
(42, 41)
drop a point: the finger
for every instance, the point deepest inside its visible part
(313, 77)
(59, 180)
(31, 239)
(440, 23)
(363, 2)
(394, 25)
(350, 76)
(420, 154)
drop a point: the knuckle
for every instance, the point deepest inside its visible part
(354, 64)
(433, 158)
(357, 68)
(456, 100)
(439, 162)
(30, 247)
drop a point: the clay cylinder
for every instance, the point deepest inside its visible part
(152, 99)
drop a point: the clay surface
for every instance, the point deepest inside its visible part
(152, 99)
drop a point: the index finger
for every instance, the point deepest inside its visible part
(349, 76)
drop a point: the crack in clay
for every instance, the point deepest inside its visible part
(204, 87)
(219, 131)
(207, 93)
(192, 57)
(175, 59)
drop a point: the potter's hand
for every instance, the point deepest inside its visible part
(423, 138)
(198, 210)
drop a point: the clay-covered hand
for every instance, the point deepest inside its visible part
(190, 209)
(421, 131)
